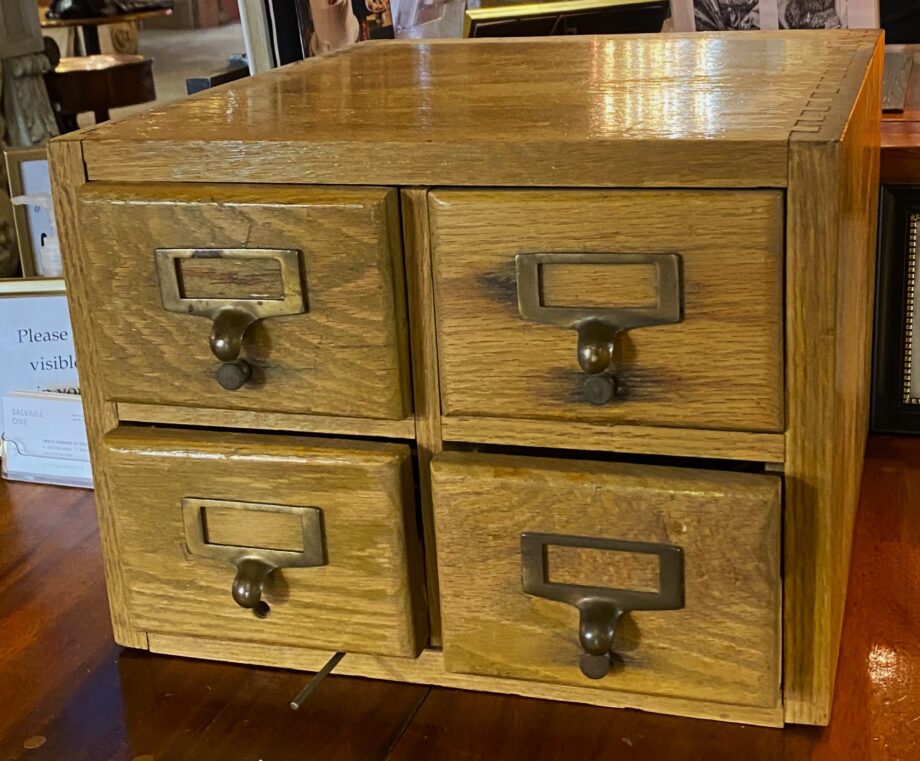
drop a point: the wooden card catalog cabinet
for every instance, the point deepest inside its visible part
(523, 389)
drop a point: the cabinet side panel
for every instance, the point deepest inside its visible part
(68, 175)
(831, 208)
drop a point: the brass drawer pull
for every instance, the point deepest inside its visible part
(254, 565)
(600, 608)
(232, 316)
(598, 326)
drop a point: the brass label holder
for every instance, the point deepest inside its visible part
(231, 318)
(598, 326)
(600, 608)
(253, 566)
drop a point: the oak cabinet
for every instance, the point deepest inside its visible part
(489, 371)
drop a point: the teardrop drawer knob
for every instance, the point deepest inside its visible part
(600, 608)
(232, 317)
(598, 327)
(248, 584)
(254, 566)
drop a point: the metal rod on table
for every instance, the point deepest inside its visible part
(316, 681)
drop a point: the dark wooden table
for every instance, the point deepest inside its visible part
(90, 26)
(68, 693)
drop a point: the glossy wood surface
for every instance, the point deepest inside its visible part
(347, 355)
(722, 646)
(70, 694)
(720, 367)
(367, 597)
(627, 110)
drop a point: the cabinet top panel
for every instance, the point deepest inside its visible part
(637, 110)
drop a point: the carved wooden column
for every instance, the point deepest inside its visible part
(9, 251)
(26, 108)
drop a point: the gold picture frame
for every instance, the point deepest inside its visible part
(522, 20)
(11, 287)
(14, 158)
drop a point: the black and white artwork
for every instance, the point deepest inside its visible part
(724, 15)
(812, 14)
(719, 15)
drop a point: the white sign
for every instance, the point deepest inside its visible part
(36, 341)
(45, 439)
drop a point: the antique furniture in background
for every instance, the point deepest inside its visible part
(123, 29)
(556, 390)
(98, 83)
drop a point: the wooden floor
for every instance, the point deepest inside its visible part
(67, 693)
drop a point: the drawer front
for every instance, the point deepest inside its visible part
(671, 301)
(541, 560)
(271, 539)
(304, 286)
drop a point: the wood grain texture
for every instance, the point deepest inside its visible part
(602, 568)
(832, 204)
(269, 421)
(428, 668)
(721, 367)
(234, 279)
(423, 339)
(346, 356)
(626, 285)
(68, 176)
(238, 527)
(633, 439)
(362, 600)
(723, 646)
(648, 110)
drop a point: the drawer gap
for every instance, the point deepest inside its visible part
(702, 463)
(272, 431)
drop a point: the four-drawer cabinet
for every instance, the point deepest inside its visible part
(527, 366)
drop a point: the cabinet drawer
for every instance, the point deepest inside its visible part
(318, 538)
(685, 286)
(303, 285)
(537, 556)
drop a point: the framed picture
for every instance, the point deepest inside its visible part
(721, 15)
(896, 344)
(27, 169)
(564, 17)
